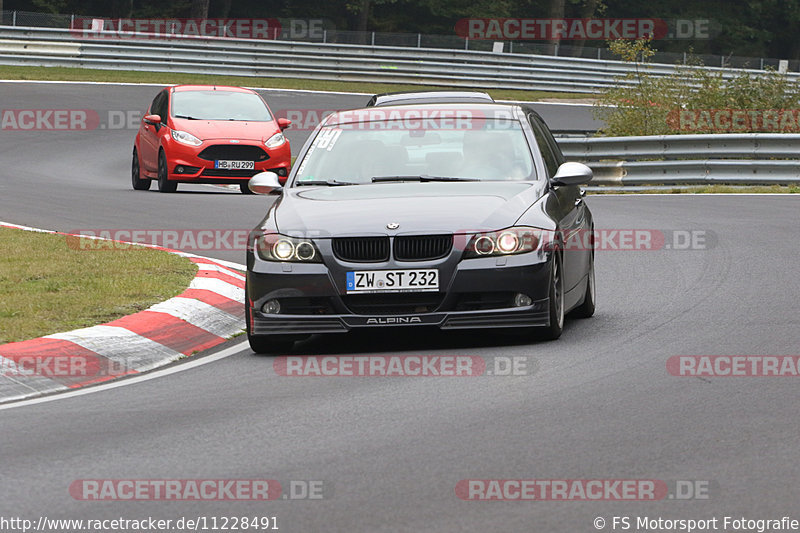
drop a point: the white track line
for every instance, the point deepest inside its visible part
(227, 352)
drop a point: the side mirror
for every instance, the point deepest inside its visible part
(152, 119)
(265, 183)
(284, 123)
(572, 174)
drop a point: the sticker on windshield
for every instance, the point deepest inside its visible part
(327, 138)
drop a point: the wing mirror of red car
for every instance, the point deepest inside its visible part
(284, 123)
(152, 119)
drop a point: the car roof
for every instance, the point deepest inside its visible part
(419, 97)
(228, 88)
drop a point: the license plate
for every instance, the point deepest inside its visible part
(393, 281)
(225, 164)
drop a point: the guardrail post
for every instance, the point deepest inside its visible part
(71, 21)
(14, 18)
(373, 38)
(762, 63)
(419, 40)
(324, 36)
(466, 43)
(555, 53)
(598, 53)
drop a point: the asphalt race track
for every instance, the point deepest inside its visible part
(596, 404)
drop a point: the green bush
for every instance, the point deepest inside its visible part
(693, 100)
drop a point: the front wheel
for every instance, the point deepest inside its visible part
(586, 309)
(556, 302)
(138, 183)
(245, 188)
(164, 184)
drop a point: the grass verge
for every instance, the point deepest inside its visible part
(169, 78)
(710, 189)
(48, 285)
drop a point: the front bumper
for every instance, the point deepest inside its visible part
(532, 316)
(185, 164)
(476, 293)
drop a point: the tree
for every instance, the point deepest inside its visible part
(199, 9)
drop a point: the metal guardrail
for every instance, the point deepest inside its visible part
(736, 159)
(330, 34)
(291, 59)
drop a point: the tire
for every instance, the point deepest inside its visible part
(245, 188)
(138, 183)
(586, 309)
(164, 185)
(266, 344)
(556, 303)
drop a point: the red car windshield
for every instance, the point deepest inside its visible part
(219, 105)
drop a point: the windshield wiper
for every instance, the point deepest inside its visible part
(187, 117)
(422, 178)
(329, 183)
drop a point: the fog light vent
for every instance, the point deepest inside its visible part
(271, 307)
(522, 300)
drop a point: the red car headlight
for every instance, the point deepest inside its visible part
(275, 141)
(184, 137)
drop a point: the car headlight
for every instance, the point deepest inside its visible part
(184, 137)
(275, 141)
(509, 241)
(276, 247)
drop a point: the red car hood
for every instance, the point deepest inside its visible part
(206, 130)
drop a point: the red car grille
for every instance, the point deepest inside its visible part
(234, 152)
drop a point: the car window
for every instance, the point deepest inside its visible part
(219, 105)
(158, 107)
(162, 105)
(551, 160)
(548, 135)
(154, 104)
(486, 149)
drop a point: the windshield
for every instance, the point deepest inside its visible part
(219, 105)
(378, 151)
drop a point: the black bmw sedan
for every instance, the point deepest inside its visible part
(441, 212)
